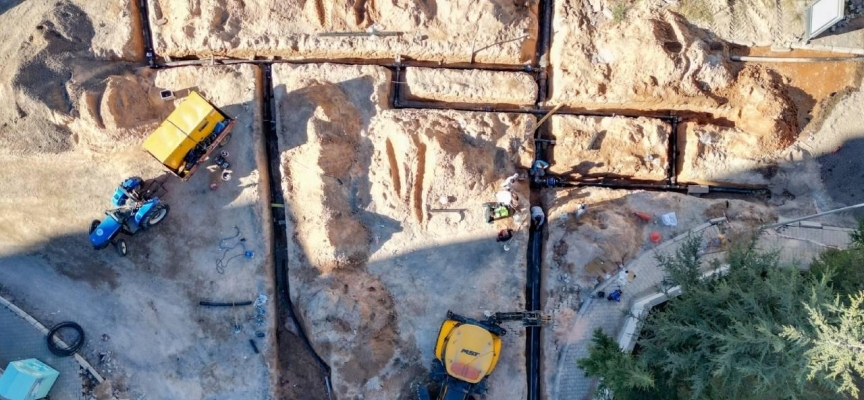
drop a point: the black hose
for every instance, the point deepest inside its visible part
(55, 348)
(229, 304)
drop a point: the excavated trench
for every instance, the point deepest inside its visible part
(285, 308)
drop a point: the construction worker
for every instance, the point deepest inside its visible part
(508, 183)
(537, 216)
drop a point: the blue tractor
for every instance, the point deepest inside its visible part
(135, 209)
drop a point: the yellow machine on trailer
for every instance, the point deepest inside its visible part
(467, 352)
(187, 137)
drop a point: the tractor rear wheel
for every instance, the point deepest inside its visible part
(94, 225)
(121, 247)
(155, 216)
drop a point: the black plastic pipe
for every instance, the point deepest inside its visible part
(280, 238)
(149, 53)
(388, 63)
(673, 153)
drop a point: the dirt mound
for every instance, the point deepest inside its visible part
(713, 155)
(656, 61)
(615, 146)
(428, 30)
(438, 155)
(355, 327)
(52, 60)
(360, 181)
(470, 86)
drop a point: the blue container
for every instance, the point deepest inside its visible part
(28, 379)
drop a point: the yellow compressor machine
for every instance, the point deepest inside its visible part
(466, 353)
(187, 137)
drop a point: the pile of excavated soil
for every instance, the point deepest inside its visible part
(497, 31)
(709, 154)
(656, 61)
(388, 226)
(56, 53)
(610, 146)
(470, 86)
(161, 343)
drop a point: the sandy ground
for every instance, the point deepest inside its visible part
(599, 63)
(368, 255)
(446, 31)
(159, 342)
(614, 146)
(470, 86)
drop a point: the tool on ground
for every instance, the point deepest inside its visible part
(549, 114)
(504, 235)
(222, 160)
(136, 208)
(466, 353)
(187, 137)
(614, 296)
(254, 346)
(645, 217)
(372, 31)
(221, 263)
(460, 211)
(224, 304)
(655, 237)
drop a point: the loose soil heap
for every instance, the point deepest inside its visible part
(614, 146)
(470, 86)
(709, 154)
(374, 267)
(428, 30)
(656, 61)
(55, 60)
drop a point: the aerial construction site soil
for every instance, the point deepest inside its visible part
(382, 131)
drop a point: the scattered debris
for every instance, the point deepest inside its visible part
(669, 219)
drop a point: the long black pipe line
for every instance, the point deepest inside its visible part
(664, 187)
(149, 53)
(673, 153)
(399, 102)
(280, 239)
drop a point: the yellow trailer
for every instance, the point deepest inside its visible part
(187, 137)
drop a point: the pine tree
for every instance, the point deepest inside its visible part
(721, 338)
(835, 343)
(619, 373)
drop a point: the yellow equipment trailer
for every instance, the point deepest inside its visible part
(187, 137)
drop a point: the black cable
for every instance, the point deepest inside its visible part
(55, 348)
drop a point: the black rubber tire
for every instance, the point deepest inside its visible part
(59, 351)
(122, 247)
(225, 140)
(148, 223)
(94, 225)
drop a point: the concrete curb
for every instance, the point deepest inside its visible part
(633, 323)
(41, 328)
